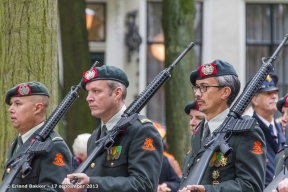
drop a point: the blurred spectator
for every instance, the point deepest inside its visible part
(173, 162)
(168, 180)
(80, 149)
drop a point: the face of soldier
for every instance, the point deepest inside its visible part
(102, 102)
(22, 113)
(213, 101)
(284, 119)
(195, 118)
(265, 102)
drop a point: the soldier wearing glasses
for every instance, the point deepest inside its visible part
(216, 85)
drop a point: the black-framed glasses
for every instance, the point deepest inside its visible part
(203, 88)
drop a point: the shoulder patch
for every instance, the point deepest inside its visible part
(54, 136)
(148, 144)
(257, 148)
(57, 138)
(58, 160)
(144, 119)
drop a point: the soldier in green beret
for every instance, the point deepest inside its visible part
(281, 157)
(196, 116)
(216, 85)
(282, 106)
(133, 163)
(28, 108)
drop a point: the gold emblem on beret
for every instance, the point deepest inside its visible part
(268, 78)
(207, 69)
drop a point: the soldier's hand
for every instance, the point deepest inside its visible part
(193, 188)
(283, 185)
(163, 188)
(81, 182)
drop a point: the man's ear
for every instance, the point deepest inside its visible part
(226, 91)
(38, 108)
(118, 93)
(254, 100)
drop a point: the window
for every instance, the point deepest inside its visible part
(266, 26)
(95, 21)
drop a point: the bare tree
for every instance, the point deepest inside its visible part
(28, 52)
(177, 21)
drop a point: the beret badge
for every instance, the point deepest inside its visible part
(207, 69)
(268, 78)
(24, 89)
(91, 74)
(197, 105)
(286, 100)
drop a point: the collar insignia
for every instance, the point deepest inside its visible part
(91, 74)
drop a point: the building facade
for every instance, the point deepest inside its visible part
(128, 34)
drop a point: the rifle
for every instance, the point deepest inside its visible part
(283, 174)
(130, 115)
(232, 122)
(40, 145)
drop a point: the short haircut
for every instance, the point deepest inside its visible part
(113, 85)
(230, 81)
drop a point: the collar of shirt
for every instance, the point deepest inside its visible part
(267, 123)
(28, 134)
(110, 124)
(216, 121)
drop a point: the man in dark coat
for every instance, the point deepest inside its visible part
(282, 106)
(216, 85)
(133, 163)
(264, 105)
(28, 106)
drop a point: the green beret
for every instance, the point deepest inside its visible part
(214, 69)
(104, 73)
(283, 102)
(191, 105)
(26, 89)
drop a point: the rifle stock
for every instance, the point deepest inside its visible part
(130, 114)
(220, 138)
(40, 144)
